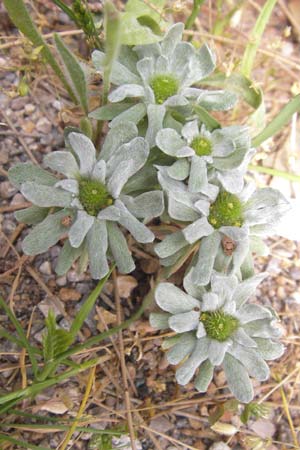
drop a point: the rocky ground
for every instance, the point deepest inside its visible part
(165, 415)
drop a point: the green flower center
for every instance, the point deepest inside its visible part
(226, 211)
(93, 196)
(164, 86)
(201, 145)
(218, 325)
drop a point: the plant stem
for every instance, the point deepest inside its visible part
(195, 11)
(275, 172)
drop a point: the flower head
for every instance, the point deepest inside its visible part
(87, 205)
(221, 220)
(158, 77)
(202, 155)
(217, 327)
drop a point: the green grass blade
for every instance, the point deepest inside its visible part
(88, 305)
(112, 28)
(75, 72)
(19, 15)
(275, 173)
(279, 121)
(209, 121)
(23, 444)
(65, 9)
(22, 335)
(14, 397)
(59, 427)
(195, 11)
(255, 37)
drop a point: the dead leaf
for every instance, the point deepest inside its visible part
(126, 284)
(104, 317)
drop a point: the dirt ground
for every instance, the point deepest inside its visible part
(165, 415)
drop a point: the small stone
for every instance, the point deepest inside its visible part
(61, 281)
(219, 446)
(29, 108)
(4, 155)
(7, 190)
(43, 125)
(74, 277)
(69, 294)
(57, 105)
(46, 305)
(18, 103)
(295, 273)
(17, 199)
(45, 268)
(161, 424)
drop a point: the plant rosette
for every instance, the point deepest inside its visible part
(219, 220)
(217, 327)
(158, 77)
(202, 155)
(88, 204)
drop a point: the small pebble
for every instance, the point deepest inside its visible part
(29, 108)
(17, 199)
(43, 125)
(61, 281)
(7, 190)
(69, 294)
(45, 268)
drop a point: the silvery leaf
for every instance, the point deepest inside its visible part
(253, 362)
(20, 173)
(190, 130)
(211, 302)
(249, 312)
(62, 162)
(198, 174)
(184, 321)
(173, 300)
(146, 69)
(119, 248)
(159, 320)
(146, 205)
(126, 91)
(118, 135)
(262, 328)
(170, 142)
(247, 288)
(241, 337)
(120, 74)
(85, 151)
(268, 349)
(238, 379)
(68, 185)
(171, 39)
(179, 170)
(156, 114)
(182, 348)
(99, 171)
(133, 114)
(138, 230)
(186, 372)
(45, 196)
(216, 100)
(205, 376)
(223, 285)
(170, 245)
(206, 256)
(45, 234)
(109, 213)
(193, 289)
(31, 215)
(97, 247)
(66, 258)
(197, 230)
(80, 227)
(217, 351)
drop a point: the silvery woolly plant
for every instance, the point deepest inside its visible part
(155, 80)
(197, 182)
(216, 326)
(87, 205)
